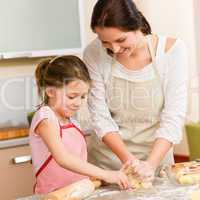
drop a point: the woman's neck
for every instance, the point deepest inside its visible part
(140, 57)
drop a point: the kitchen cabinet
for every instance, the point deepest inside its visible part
(16, 173)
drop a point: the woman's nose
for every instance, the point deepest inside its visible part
(115, 48)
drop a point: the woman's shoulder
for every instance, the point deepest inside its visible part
(95, 51)
(175, 57)
(93, 46)
(95, 56)
(172, 45)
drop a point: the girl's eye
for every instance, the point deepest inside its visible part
(71, 97)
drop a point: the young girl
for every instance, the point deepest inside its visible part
(58, 146)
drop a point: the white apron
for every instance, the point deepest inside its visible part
(136, 108)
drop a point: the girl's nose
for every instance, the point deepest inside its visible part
(78, 102)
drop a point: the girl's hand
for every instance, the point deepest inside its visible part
(117, 177)
(144, 170)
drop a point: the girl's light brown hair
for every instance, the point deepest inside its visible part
(58, 72)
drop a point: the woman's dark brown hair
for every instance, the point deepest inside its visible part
(122, 14)
(58, 72)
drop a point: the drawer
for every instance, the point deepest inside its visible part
(16, 172)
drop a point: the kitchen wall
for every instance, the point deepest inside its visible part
(24, 68)
(175, 18)
(27, 66)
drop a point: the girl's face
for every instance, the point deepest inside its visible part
(119, 42)
(66, 101)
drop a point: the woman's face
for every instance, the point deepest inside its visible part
(121, 43)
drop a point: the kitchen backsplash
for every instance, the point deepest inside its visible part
(18, 96)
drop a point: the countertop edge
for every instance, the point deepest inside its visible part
(14, 142)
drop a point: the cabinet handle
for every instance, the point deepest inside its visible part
(21, 159)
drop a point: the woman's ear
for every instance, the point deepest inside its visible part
(50, 92)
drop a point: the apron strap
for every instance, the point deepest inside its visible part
(151, 49)
(153, 56)
(61, 134)
(46, 162)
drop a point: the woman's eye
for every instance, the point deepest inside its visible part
(122, 40)
(83, 97)
(104, 43)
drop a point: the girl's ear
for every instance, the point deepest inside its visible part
(50, 91)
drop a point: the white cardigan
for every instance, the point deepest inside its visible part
(172, 68)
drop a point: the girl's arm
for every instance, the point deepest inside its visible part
(50, 135)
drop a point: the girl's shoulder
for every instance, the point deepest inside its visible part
(44, 112)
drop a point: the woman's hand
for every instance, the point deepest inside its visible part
(144, 170)
(117, 177)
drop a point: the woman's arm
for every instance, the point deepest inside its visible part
(105, 127)
(116, 144)
(160, 148)
(175, 107)
(97, 62)
(51, 137)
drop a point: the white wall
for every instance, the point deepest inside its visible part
(27, 66)
(176, 18)
(88, 7)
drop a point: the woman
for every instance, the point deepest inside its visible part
(139, 95)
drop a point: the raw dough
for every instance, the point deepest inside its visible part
(187, 173)
(135, 182)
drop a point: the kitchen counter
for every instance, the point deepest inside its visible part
(13, 142)
(34, 197)
(162, 190)
(14, 136)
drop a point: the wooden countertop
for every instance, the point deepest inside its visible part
(11, 133)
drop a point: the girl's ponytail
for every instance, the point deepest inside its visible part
(40, 77)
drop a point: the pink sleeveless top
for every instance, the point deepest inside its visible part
(49, 175)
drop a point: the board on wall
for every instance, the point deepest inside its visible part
(34, 28)
(18, 97)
